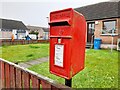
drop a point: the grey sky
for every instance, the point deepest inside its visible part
(35, 12)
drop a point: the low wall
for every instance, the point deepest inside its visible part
(21, 42)
(108, 46)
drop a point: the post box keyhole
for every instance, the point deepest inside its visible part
(59, 40)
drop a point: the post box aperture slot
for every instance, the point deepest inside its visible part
(60, 23)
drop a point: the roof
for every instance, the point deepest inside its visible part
(114, 0)
(12, 24)
(34, 28)
(46, 29)
(110, 9)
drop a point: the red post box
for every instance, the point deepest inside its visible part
(67, 42)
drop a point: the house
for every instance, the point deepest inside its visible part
(103, 21)
(41, 32)
(9, 28)
(46, 33)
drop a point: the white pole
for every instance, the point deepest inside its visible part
(48, 37)
(112, 40)
(112, 44)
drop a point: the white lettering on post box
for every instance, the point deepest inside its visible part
(59, 51)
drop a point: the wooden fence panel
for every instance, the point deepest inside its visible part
(12, 77)
(54, 88)
(18, 78)
(7, 75)
(2, 75)
(35, 83)
(45, 85)
(26, 80)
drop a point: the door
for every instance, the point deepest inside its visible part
(90, 31)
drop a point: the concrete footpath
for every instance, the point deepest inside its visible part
(34, 62)
(37, 61)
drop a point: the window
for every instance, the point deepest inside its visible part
(91, 28)
(7, 30)
(21, 31)
(109, 27)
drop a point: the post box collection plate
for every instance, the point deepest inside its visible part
(59, 54)
(67, 42)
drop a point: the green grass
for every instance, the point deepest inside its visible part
(101, 66)
(23, 53)
(101, 70)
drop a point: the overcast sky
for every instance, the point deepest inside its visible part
(34, 12)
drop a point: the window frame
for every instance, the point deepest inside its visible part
(6, 30)
(108, 21)
(92, 29)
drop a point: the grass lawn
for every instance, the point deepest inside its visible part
(101, 71)
(23, 53)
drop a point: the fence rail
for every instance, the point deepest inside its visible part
(16, 42)
(14, 76)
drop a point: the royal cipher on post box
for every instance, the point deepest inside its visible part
(67, 42)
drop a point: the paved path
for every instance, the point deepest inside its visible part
(37, 61)
(34, 62)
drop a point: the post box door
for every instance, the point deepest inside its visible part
(60, 38)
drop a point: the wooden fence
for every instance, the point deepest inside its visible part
(16, 42)
(13, 77)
